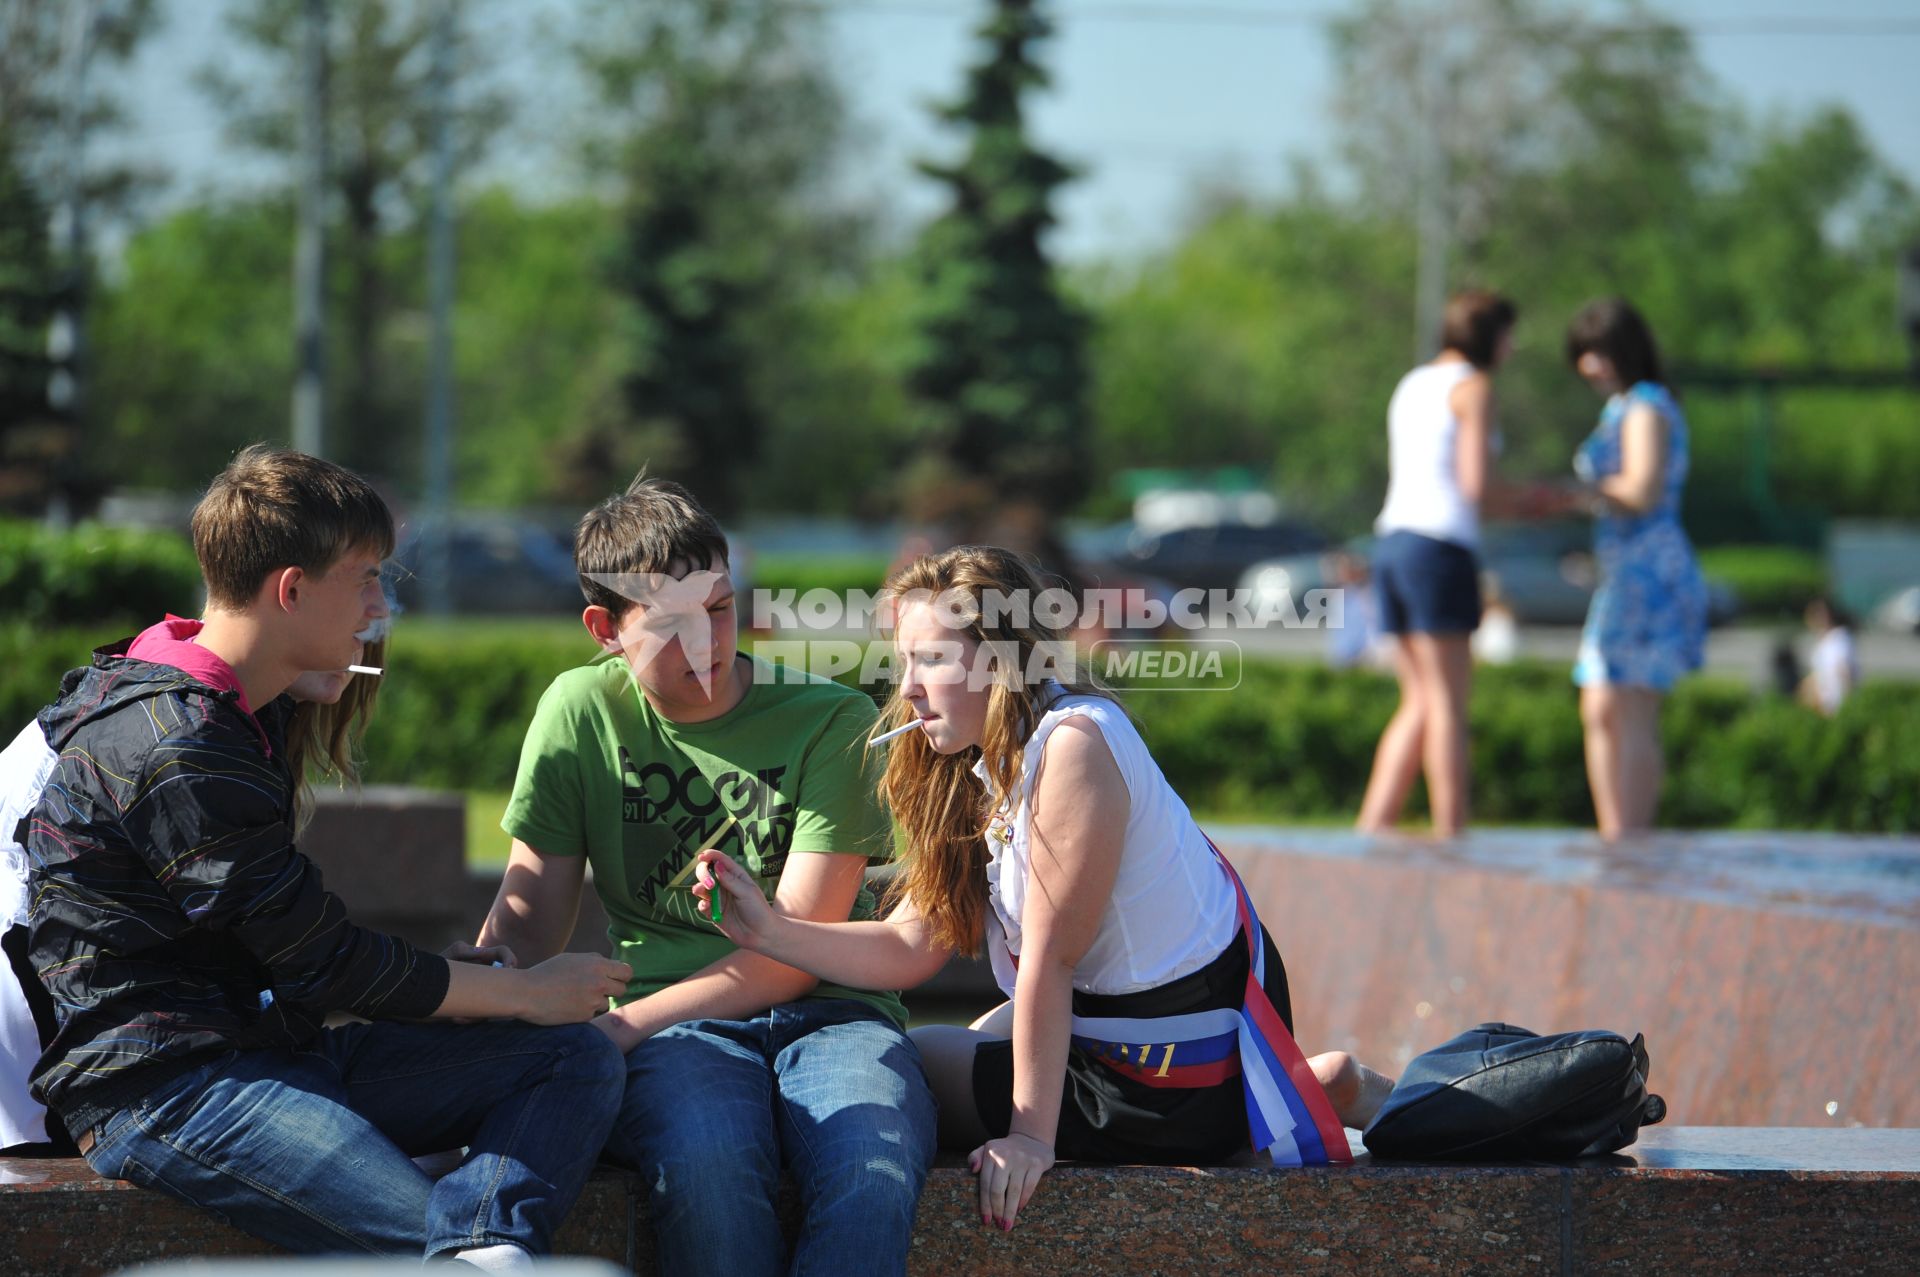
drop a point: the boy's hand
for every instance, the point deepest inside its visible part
(745, 916)
(571, 988)
(496, 955)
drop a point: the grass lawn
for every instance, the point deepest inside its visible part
(486, 844)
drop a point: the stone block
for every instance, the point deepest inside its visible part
(1767, 971)
(1682, 1200)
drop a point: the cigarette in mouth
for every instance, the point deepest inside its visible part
(363, 669)
(898, 731)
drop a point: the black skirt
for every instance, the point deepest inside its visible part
(1106, 1116)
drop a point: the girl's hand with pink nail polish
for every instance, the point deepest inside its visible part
(748, 919)
(1009, 1169)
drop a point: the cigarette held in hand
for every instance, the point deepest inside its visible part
(898, 731)
(363, 669)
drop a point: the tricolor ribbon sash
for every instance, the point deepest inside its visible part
(1288, 1113)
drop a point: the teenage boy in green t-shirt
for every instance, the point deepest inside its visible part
(737, 1066)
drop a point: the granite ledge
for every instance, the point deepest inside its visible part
(1684, 1199)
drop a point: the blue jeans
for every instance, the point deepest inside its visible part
(825, 1088)
(311, 1149)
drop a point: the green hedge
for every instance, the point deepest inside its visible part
(1292, 743)
(841, 573)
(1772, 581)
(1300, 739)
(1296, 743)
(457, 700)
(93, 573)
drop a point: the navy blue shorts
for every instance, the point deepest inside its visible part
(1425, 585)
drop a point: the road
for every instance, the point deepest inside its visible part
(1738, 652)
(1745, 653)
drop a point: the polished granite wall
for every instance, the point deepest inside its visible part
(1774, 976)
(397, 857)
(1692, 1201)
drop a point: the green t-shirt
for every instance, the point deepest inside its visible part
(604, 776)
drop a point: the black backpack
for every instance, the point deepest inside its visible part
(1497, 1091)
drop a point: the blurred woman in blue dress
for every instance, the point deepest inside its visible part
(1647, 624)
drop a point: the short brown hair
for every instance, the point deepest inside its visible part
(1473, 323)
(651, 526)
(1612, 327)
(274, 508)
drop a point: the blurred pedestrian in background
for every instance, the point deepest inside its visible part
(1441, 441)
(1356, 641)
(1497, 641)
(1647, 623)
(1834, 668)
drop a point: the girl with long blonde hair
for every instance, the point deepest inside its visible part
(1147, 1017)
(331, 714)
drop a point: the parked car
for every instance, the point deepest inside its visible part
(1543, 571)
(497, 565)
(1213, 556)
(1900, 611)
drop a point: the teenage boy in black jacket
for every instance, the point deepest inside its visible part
(192, 952)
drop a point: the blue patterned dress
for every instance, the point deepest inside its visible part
(1647, 624)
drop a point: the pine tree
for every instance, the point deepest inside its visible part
(720, 119)
(999, 375)
(41, 453)
(27, 290)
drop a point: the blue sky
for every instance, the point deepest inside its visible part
(1152, 103)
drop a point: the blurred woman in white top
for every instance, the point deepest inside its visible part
(1441, 440)
(1834, 669)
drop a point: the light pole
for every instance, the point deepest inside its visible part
(1909, 304)
(1432, 219)
(67, 334)
(310, 248)
(436, 557)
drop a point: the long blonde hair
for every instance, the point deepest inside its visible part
(940, 806)
(322, 738)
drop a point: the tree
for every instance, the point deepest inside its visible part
(1450, 112)
(1266, 339)
(380, 134)
(1604, 160)
(538, 346)
(190, 343)
(43, 135)
(34, 37)
(720, 121)
(998, 377)
(28, 282)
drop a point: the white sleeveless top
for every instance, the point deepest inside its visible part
(1423, 483)
(25, 766)
(1172, 910)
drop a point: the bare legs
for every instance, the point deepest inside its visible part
(1396, 760)
(946, 1051)
(1428, 732)
(1624, 763)
(1355, 1091)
